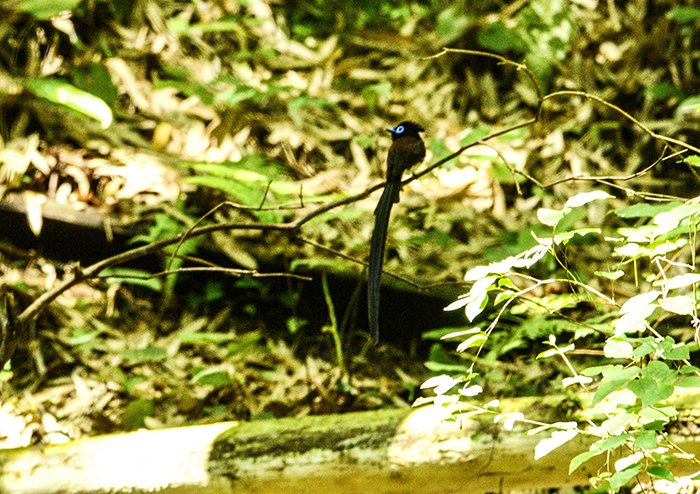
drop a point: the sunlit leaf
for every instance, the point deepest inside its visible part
(212, 376)
(471, 391)
(645, 210)
(43, 9)
(682, 280)
(144, 354)
(614, 378)
(668, 220)
(557, 439)
(614, 348)
(682, 304)
(641, 304)
(684, 14)
(33, 204)
(584, 198)
(627, 461)
(472, 341)
(550, 217)
(441, 384)
(62, 93)
(206, 338)
(610, 275)
(570, 381)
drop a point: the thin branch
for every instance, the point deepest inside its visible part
(607, 104)
(206, 269)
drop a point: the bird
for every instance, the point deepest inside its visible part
(407, 150)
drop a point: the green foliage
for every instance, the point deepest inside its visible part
(44, 10)
(135, 413)
(94, 78)
(137, 277)
(166, 226)
(255, 182)
(145, 354)
(542, 31)
(322, 18)
(643, 366)
(69, 96)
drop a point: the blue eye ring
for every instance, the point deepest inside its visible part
(399, 129)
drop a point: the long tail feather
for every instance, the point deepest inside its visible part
(376, 254)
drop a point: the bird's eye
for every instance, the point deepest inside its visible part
(399, 129)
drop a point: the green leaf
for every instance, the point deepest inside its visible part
(646, 440)
(659, 370)
(472, 341)
(131, 276)
(684, 15)
(618, 348)
(580, 459)
(642, 305)
(212, 376)
(444, 367)
(135, 413)
(664, 90)
(241, 192)
(584, 198)
(80, 336)
(609, 443)
(688, 369)
(655, 383)
(475, 135)
(564, 237)
(614, 378)
(672, 351)
(610, 275)
(689, 382)
(476, 299)
(557, 439)
(682, 304)
(62, 93)
(668, 220)
(95, 79)
(304, 101)
(523, 260)
(657, 413)
(451, 24)
(661, 473)
(622, 478)
(144, 354)
(644, 210)
(44, 9)
(206, 338)
(497, 37)
(599, 369)
(550, 217)
(682, 280)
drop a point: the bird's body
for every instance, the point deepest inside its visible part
(407, 150)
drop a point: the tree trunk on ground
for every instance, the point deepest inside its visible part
(386, 451)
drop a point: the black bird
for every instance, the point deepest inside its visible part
(407, 150)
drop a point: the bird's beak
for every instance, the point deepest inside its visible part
(391, 129)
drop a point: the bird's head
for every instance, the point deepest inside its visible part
(407, 128)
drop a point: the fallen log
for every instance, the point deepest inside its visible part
(388, 451)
